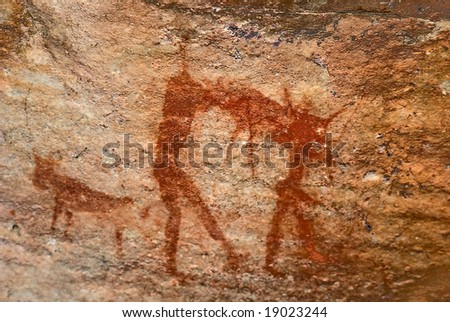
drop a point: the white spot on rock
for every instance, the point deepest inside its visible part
(445, 87)
(372, 176)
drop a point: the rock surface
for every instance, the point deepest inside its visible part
(77, 75)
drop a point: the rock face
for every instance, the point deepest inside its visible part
(94, 94)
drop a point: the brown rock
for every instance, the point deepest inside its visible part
(82, 219)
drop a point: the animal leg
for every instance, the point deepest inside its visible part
(172, 233)
(69, 223)
(170, 193)
(211, 225)
(119, 241)
(57, 210)
(305, 233)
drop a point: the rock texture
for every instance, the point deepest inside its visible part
(78, 75)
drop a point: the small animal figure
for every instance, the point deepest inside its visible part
(71, 195)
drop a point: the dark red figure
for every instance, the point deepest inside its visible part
(71, 195)
(251, 111)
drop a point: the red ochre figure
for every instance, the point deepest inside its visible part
(72, 195)
(251, 111)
